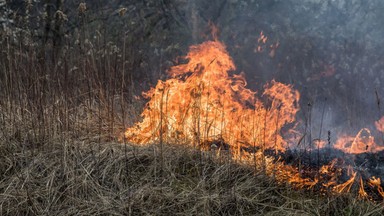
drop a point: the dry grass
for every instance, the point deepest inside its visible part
(60, 118)
(74, 177)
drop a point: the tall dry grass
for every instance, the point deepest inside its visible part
(78, 177)
(61, 112)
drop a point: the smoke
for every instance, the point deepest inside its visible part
(331, 51)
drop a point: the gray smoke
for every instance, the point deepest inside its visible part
(331, 51)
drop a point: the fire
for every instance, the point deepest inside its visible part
(363, 142)
(380, 124)
(203, 103)
(346, 186)
(376, 183)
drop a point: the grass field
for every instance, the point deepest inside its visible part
(84, 177)
(62, 112)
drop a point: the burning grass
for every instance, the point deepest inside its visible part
(59, 126)
(72, 178)
(79, 171)
(202, 103)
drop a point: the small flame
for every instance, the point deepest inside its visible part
(345, 187)
(363, 142)
(376, 183)
(362, 192)
(380, 124)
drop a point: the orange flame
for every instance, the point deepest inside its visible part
(363, 142)
(346, 186)
(362, 192)
(376, 182)
(380, 124)
(202, 101)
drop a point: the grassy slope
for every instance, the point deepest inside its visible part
(85, 178)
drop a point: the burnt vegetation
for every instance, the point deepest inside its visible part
(71, 77)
